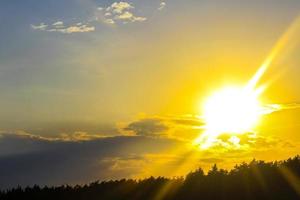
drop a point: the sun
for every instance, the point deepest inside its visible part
(232, 110)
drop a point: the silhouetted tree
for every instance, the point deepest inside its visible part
(254, 180)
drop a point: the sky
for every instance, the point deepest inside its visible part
(100, 89)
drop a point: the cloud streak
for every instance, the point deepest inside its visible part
(271, 108)
(61, 28)
(40, 27)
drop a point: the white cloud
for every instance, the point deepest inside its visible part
(109, 21)
(122, 12)
(41, 27)
(125, 15)
(58, 23)
(162, 5)
(138, 19)
(130, 17)
(107, 14)
(77, 29)
(119, 7)
(59, 27)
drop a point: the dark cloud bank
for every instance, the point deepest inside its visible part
(27, 159)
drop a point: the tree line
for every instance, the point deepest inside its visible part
(278, 180)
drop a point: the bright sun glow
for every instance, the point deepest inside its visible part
(232, 110)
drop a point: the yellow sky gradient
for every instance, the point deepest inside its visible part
(148, 76)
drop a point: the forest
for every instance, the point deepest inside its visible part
(254, 180)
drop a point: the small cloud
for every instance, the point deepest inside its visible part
(147, 127)
(40, 27)
(107, 14)
(119, 7)
(130, 17)
(58, 24)
(100, 8)
(162, 5)
(109, 21)
(77, 29)
(125, 15)
(122, 12)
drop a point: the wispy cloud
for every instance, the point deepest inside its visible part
(74, 29)
(60, 27)
(271, 108)
(40, 27)
(162, 5)
(58, 24)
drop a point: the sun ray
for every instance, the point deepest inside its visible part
(292, 178)
(237, 110)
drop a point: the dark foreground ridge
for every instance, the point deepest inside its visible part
(255, 180)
